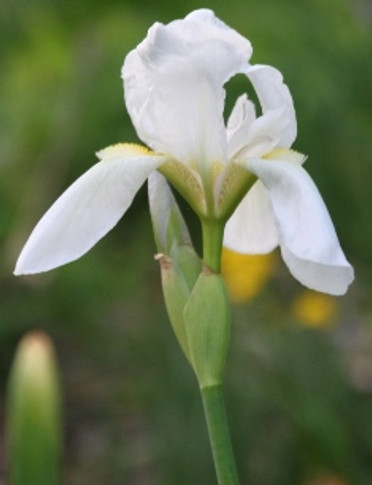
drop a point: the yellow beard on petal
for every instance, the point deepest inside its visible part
(285, 154)
(123, 150)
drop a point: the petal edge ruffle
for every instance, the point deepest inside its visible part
(174, 81)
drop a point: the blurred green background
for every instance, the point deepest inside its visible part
(299, 394)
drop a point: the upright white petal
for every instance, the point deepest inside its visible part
(243, 112)
(253, 137)
(260, 137)
(252, 229)
(174, 85)
(87, 210)
(307, 237)
(274, 96)
(240, 120)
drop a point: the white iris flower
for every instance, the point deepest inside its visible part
(242, 172)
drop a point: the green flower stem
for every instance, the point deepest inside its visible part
(212, 243)
(213, 402)
(219, 435)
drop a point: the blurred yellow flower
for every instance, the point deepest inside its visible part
(314, 309)
(246, 274)
(327, 480)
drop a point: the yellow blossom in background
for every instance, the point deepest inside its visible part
(246, 274)
(315, 309)
(327, 480)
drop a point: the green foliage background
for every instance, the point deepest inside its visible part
(299, 400)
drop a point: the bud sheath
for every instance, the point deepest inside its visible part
(207, 319)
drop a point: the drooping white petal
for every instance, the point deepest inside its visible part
(251, 229)
(274, 96)
(307, 237)
(87, 210)
(174, 85)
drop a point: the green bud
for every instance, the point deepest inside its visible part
(178, 276)
(176, 293)
(180, 265)
(207, 320)
(33, 417)
(188, 263)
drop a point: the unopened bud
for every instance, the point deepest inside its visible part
(179, 263)
(178, 279)
(207, 323)
(33, 418)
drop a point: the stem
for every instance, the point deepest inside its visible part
(212, 243)
(219, 435)
(213, 402)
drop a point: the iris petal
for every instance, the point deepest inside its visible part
(87, 210)
(307, 237)
(251, 229)
(174, 86)
(253, 137)
(274, 95)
